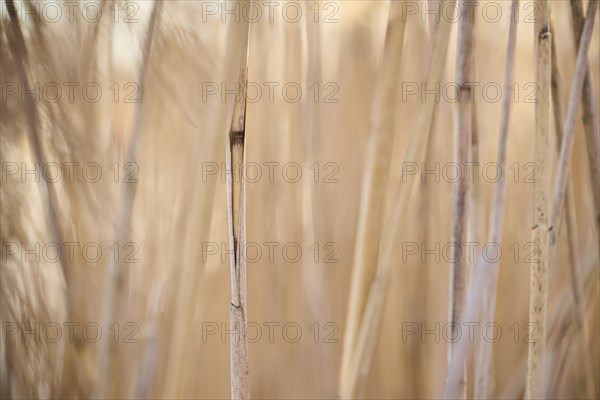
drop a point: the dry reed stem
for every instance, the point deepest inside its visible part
(48, 193)
(539, 272)
(187, 285)
(236, 204)
(485, 275)
(383, 119)
(114, 275)
(560, 187)
(558, 319)
(463, 133)
(379, 152)
(571, 218)
(476, 217)
(483, 368)
(483, 359)
(475, 197)
(369, 327)
(590, 116)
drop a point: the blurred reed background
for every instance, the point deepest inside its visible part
(167, 210)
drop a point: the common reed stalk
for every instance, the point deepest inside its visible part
(590, 116)
(538, 293)
(483, 371)
(463, 132)
(568, 135)
(485, 274)
(382, 127)
(48, 194)
(236, 205)
(571, 218)
(114, 275)
(357, 356)
(559, 317)
(539, 271)
(476, 217)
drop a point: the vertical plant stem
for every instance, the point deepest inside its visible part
(560, 187)
(574, 265)
(48, 193)
(539, 272)
(463, 132)
(590, 116)
(382, 127)
(236, 204)
(577, 86)
(358, 363)
(114, 275)
(476, 219)
(483, 370)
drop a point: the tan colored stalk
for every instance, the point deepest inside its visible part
(372, 200)
(483, 368)
(187, 285)
(379, 150)
(48, 193)
(539, 272)
(236, 204)
(485, 274)
(559, 319)
(571, 218)
(590, 116)
(568, 135)
(463, 133)
(477, 217)
(366, 325)
(114, 275)
(539, 296)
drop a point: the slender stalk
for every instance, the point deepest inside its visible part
(485, 275)
(571, 218)
(483, 371)
(539, 272)
(590, 116)
(236, 204)
(379, 152)
(462, 149)
(358, 363)
(382, 128)
(475, 235)
(48, 193)
(114, 275)
(560, 187)
(476, 216)
(559, 319)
